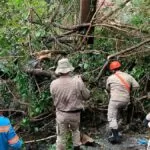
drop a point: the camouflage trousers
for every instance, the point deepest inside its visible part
(67, 122)
(112, 115)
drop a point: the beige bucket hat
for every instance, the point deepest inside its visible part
(64, 66)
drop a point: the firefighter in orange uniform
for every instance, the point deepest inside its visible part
(119, 85)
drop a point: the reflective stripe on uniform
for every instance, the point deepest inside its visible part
(4, 129)
(14, 140)
(125, 83)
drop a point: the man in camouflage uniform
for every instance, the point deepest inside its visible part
(119, 84)
(68, 93)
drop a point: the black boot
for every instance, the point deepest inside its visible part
(115, 138)
(76, 148)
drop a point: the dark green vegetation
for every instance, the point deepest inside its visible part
(29, 26)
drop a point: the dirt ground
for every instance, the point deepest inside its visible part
(96, 128)
(129, 142)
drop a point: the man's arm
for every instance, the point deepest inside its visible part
(84, 91)
(134, 83)
(52, 90)
(13, 139)
(108, 86)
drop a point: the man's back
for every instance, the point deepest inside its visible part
(67, 93)
(117, 87)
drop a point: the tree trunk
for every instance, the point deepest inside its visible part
(87, 10)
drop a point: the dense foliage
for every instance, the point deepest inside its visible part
(30, 26)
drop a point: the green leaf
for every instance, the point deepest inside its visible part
(85, 66)
(37, 110)
(24, 120)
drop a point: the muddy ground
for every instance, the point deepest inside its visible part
(94, 125)
(129, 142)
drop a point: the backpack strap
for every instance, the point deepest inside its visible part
(125, 83)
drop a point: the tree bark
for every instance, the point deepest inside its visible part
(87, 10)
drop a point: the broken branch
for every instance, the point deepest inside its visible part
(129, 49)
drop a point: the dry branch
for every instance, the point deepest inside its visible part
(111, 27)
(135, 53)
(79, 27)
(47, 54)
(40, 119)
(117, 26)
(96, 52)
(43, 139)
(75, 27)
(119, 53)
(53, 52)
(143, 97)
(84, 139)
(12, 110)
(129, 49)
(102, 70)
(40, 72)
(124, 26)
(52, 38)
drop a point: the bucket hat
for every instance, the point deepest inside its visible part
(64, 66)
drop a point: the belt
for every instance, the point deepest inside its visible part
(72, 111)
(120, 101)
